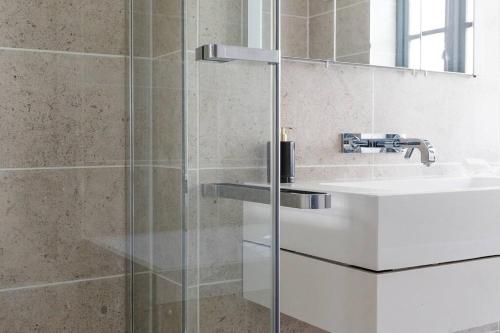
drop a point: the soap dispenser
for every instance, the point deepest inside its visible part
(287, 158)
(287, 170)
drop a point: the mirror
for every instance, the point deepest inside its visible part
(431, 35)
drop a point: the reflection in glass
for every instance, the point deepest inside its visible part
(433, 58)
(433, 14)
(414, 53)
(446, 33)
(469, 50)
(432, 35)
(413, 15)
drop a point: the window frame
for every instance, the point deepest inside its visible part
(455, 30)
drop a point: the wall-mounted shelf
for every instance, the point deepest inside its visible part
(261, 194)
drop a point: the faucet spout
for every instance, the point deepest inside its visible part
(427, 151)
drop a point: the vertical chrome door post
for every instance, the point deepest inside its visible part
(275, 174)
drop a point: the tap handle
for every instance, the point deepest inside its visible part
(409, 152)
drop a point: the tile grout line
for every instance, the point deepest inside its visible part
(353, 54)
(321, 14)
(64, 168)
(372, 77)
(158, 57)
(308, 29)
(19, 49)
(206, 284)
(53, 284)
(231, 168)
(352, 5)
(159, 275)
(334, 29)
(302, 166)
(242, 20)
(295, 16)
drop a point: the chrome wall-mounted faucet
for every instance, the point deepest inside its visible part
(361, 143)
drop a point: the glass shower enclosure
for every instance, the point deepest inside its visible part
(139, 183)
(200, 121)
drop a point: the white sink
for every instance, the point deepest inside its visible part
(392, 224)
(417, 186)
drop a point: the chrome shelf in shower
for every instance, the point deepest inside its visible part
(261, 194)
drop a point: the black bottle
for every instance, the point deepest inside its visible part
(287, 170)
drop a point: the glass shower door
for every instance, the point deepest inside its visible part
(203, 261)
(230, 122)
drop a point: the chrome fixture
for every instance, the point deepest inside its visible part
(363, 143)
(370, 143)
(427, 152)
(261, 194)
(225, 53)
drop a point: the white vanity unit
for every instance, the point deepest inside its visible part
(412, 256)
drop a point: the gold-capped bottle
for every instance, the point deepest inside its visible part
(287, 170)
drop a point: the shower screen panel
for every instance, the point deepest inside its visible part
(197, 124)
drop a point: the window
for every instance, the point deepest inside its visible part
(444, 38)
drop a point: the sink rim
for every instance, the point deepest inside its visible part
(353, 186)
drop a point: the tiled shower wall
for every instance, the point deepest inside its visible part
(352, 29)
(362, 30)
(63, 120)
(157, 192)
(307, 29)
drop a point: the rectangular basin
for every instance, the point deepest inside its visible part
(392, 224)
